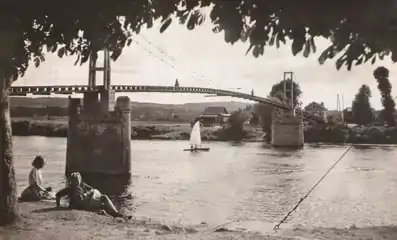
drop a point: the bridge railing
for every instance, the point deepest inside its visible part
(47, 90)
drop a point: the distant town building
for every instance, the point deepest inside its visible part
(334, 115)
(317, 110)
(214, 116)
(176, 83)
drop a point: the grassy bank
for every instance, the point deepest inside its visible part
(42, 221)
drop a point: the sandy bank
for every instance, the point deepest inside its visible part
(42, 221)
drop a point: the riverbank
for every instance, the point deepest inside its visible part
(181, 131)
(140, 130)
(42, 221)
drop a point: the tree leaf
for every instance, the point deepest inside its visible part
(86, 55)
(359, 61)
(37, 62)
(381, 56)
(116, 54)
(149, 23)
(349, 65)
(15, 76)
(281, 38)
(271, 42)
(394, 56)
(297, 46)
(193, 20)
(249, 49)
(373, 60)
(339, 62)
(258, 50)
(324, 55)
(216, 29)
(165, 25)
(201, 18)
(54, 49)
(78, 59)
(313, 45)
(184, 17)
(50, 48)
(61, 52)
(306, 51)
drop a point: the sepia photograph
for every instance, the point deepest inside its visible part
(198, 119)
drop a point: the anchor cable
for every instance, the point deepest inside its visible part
(277, 226)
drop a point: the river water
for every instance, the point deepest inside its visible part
(247, 182)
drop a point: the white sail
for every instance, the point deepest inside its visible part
(195, 135)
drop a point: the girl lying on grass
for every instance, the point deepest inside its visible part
(84, 197)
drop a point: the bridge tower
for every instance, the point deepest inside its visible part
(287, 125)
(99, 134)
(289, 76)
(105, 94)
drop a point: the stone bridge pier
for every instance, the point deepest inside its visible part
(99, 142)
(287, 129)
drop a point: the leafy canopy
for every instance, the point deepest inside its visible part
(360, 30)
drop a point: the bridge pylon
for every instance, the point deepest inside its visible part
(289, 76)
(287, 126)
(106, 95)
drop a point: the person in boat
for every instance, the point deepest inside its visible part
(84, 197)
(193, 146)
(35, 191)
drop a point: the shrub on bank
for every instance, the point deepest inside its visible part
(328, 134)
(26, 128)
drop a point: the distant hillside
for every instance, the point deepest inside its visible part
(39, 102)
(144, 111)
(184, 112)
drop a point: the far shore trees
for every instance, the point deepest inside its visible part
(361, 107)
(381, 74)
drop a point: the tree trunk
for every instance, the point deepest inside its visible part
(8, 190)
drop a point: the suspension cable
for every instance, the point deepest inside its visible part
(163, 53)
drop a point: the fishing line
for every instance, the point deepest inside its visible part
(277, 226)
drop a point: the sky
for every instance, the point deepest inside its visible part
(203, 59)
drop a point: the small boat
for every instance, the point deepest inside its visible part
(195, 140)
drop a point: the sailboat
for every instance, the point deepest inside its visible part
(195, 139)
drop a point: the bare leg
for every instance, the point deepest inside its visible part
(109, 207)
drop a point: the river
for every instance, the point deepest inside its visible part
(243, 182)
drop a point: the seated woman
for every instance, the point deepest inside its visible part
(35, 191)
(84, 197)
